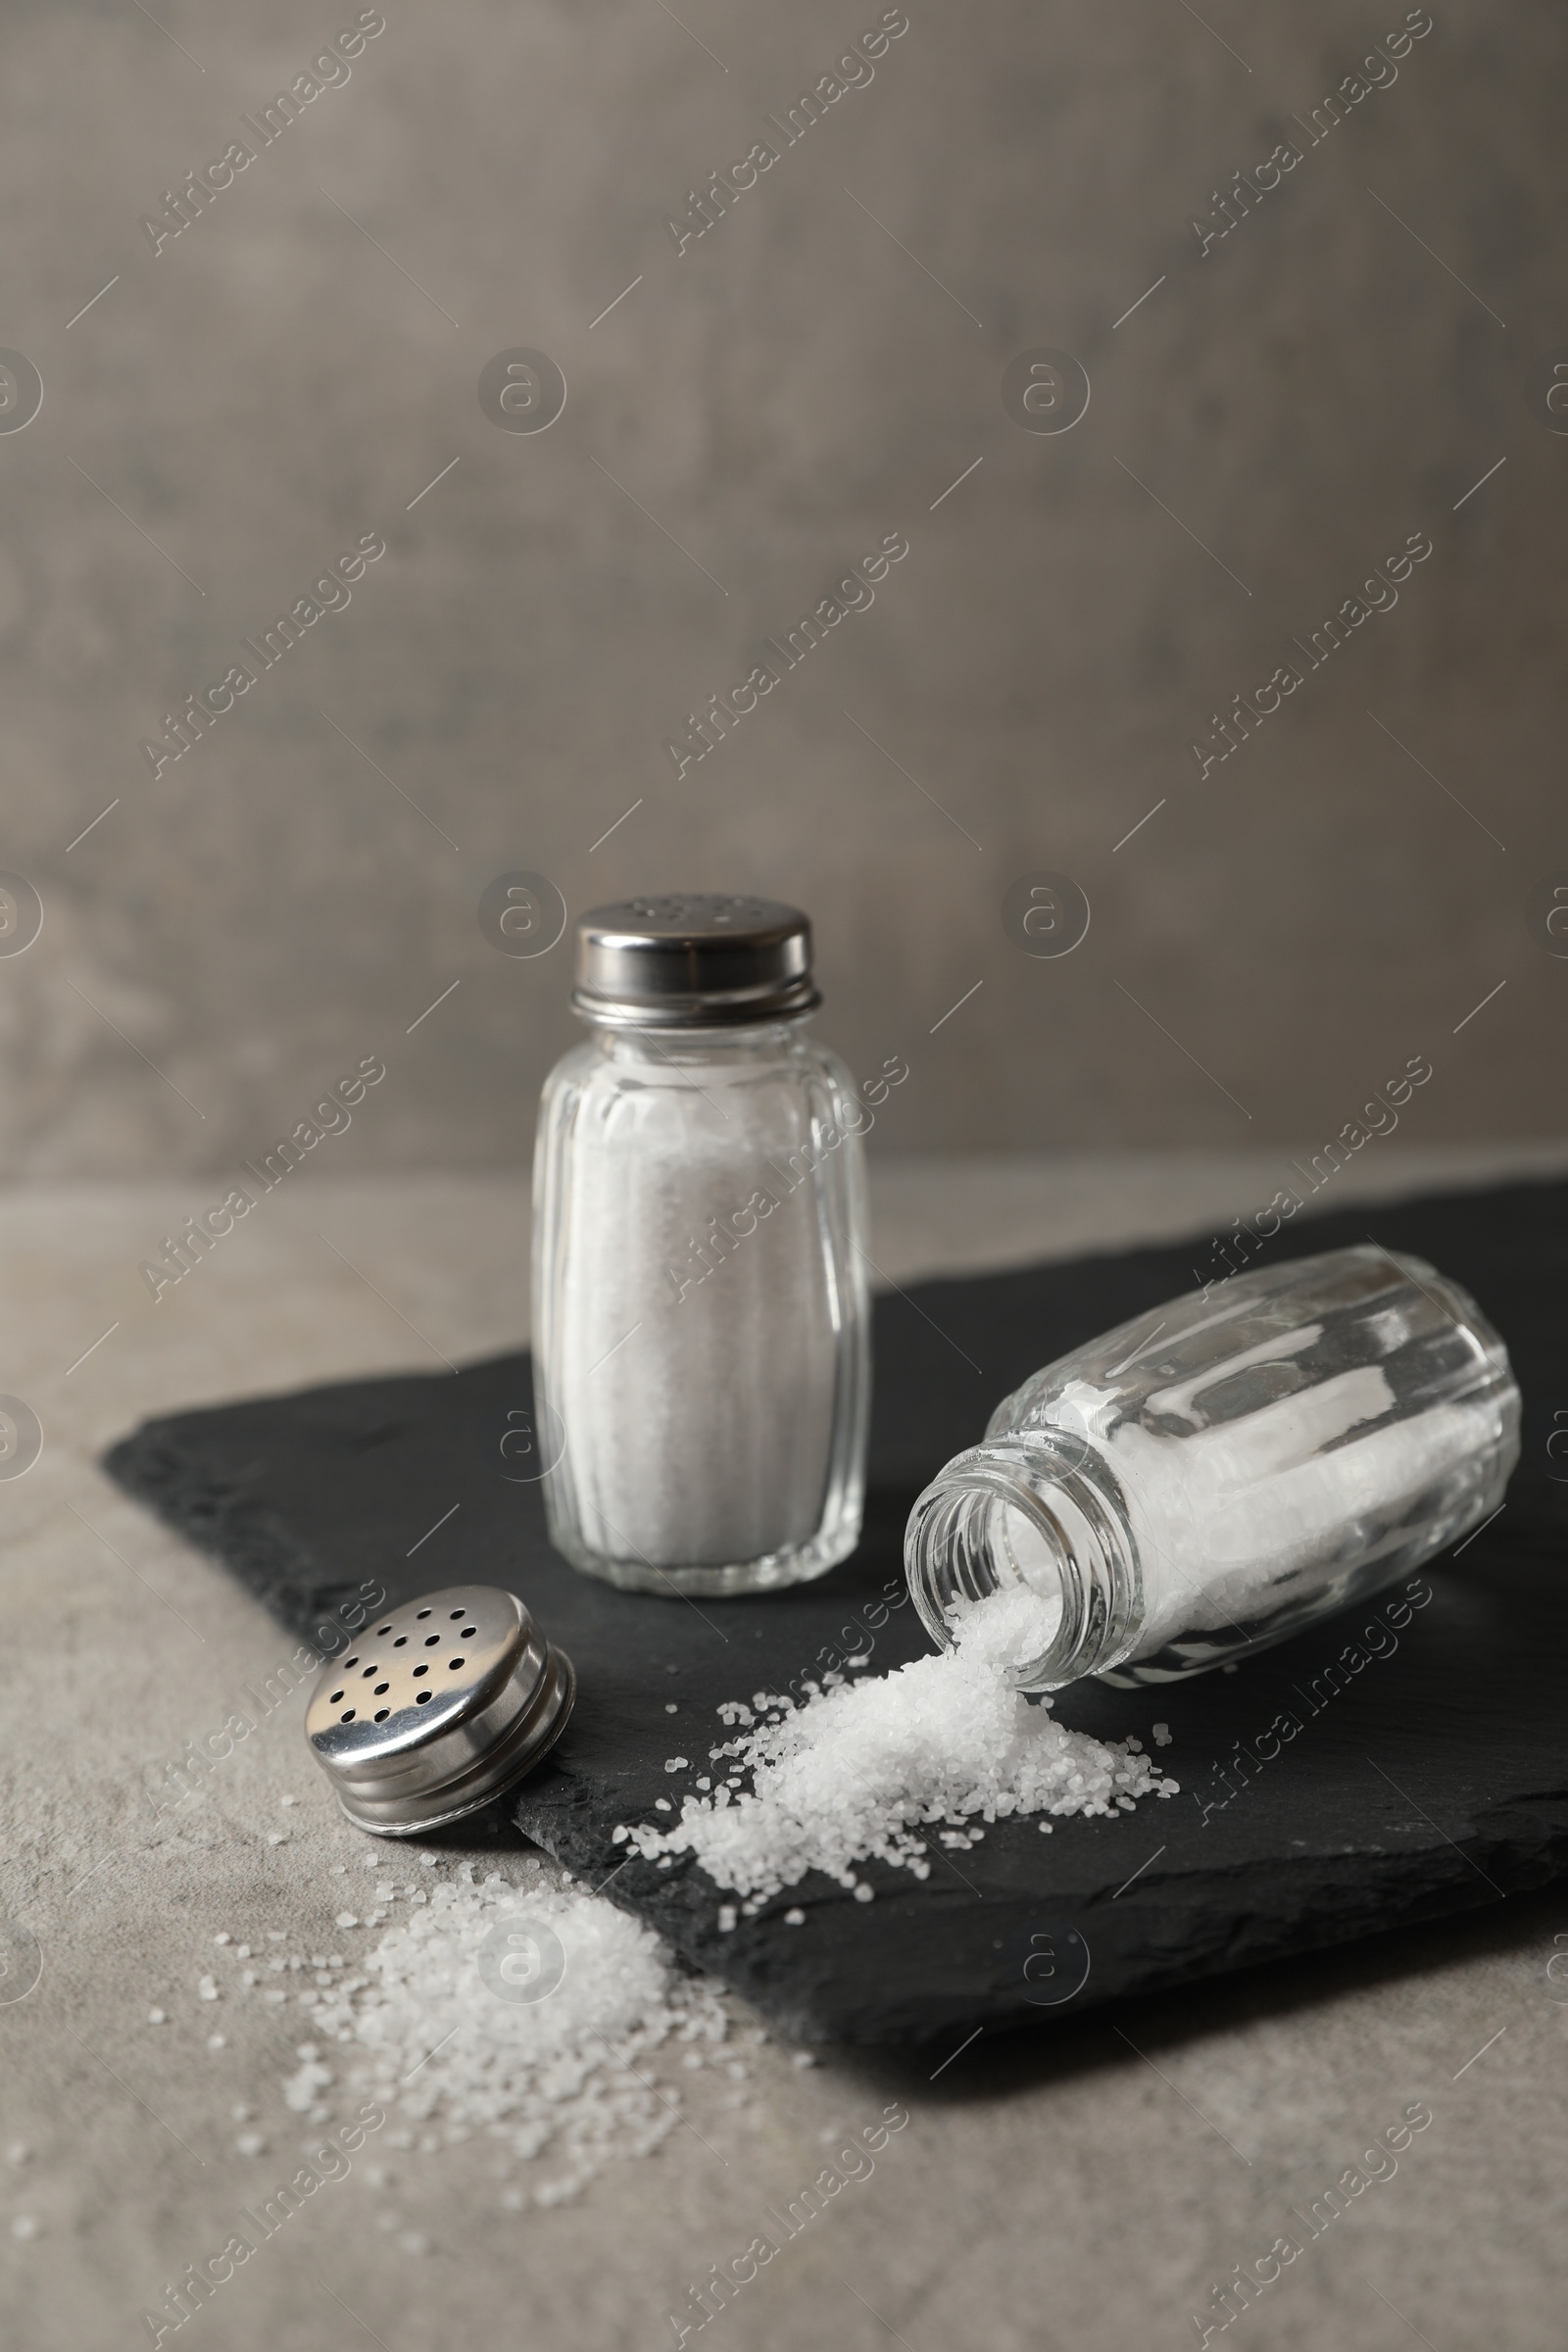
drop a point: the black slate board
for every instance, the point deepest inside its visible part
(1435, 1779)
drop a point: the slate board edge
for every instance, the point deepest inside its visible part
(1401, 1893)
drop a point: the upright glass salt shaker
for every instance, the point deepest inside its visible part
(1224, 1470)
(701, 1351)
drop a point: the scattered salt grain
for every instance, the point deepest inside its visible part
(288, 1800)
(223, 1937)
(217, 2042)
(671, 1707)
(300, 2090)
(675, 1763)
(1162, 1734)
(207, 1989)
(569, 2077)
(346, 1919)
(250, 2143)
(795, 1918)
(858, 1770)
(157, 2017)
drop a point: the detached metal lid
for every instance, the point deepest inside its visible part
(445, 1704)
(694, 962)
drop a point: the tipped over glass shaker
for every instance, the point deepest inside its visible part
(1226, 1469)
(701, 1351)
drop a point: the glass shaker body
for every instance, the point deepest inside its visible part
(1226, 1469)
(700, 1329)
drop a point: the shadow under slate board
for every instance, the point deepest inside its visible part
(1429, 1773)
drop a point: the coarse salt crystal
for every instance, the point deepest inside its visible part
(563, 2076)
(858, 1770)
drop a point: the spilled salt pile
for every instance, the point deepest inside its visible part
(856, 1771)
(531, 2013)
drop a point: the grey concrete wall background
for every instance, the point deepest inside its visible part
(755, 412)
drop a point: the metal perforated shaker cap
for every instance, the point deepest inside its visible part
(693, 961)
(445, 1702)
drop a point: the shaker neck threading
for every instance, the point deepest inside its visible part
(1035, 1513)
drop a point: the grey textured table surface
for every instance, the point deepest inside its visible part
(1077, 2192)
